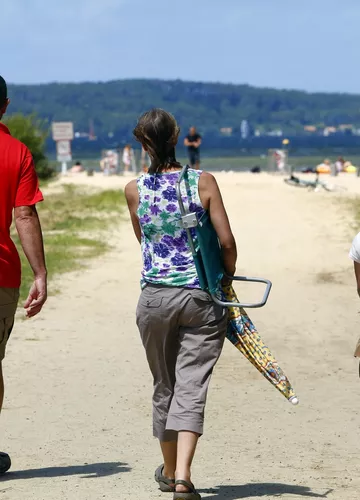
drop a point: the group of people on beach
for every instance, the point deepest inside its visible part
(335, 168)
(109, 163)
(181, 327)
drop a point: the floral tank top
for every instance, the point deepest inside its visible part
(167, 258)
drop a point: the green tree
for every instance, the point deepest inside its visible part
(115, 106)
(33, 133)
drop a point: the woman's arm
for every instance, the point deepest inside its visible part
(212, 201)
(132, 198)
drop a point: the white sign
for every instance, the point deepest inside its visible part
(63, 131)
(63, 151)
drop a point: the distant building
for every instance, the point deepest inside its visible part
(226, 131)
(310, 128)
(245, 129)
(346, 127)
(329, 130)
(275, 133)
(81, 135)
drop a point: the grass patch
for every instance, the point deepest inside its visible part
(74, 223)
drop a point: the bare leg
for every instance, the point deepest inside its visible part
(169, 451)
(197, 166)
(1, 387)
(5, 462)
(186, 447)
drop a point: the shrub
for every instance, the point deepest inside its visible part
(32, 132)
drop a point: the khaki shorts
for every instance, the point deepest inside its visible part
(8, 303)
(183, 332)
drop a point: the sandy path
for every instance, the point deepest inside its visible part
(77, 414)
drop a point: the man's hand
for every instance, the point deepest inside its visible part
(28, 226)
(37, 297)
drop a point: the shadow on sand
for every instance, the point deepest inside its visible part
(86, 471)
(229, 492)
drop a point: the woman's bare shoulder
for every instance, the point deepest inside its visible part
(131, 189)
(207, 181)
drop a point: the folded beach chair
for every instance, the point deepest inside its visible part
(241, 332)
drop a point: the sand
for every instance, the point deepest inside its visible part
(77, 416)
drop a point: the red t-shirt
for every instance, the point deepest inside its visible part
(19, 186)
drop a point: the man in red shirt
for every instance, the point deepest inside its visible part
(19, 192)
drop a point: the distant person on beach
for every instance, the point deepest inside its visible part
(181, 327)
(324, 167)
(109, 162)
(19, 193)
(355, 257)
(77, 168)
(104, 162)
(192, 142)
(339, 164)
(145, 161)
(128, 158)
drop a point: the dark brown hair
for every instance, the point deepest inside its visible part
(158, 133)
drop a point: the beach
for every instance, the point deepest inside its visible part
(77, 411)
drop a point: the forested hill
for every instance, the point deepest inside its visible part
(114, 106)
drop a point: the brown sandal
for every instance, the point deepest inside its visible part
(192, 494)
(166, 485)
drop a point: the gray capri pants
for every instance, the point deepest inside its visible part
(183, 333)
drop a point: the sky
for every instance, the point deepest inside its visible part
(311, 45)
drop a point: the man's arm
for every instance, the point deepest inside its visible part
(197, 143)
(28, 227)
(187, 143)
(132, 198)
(357, 275)
(29, 230)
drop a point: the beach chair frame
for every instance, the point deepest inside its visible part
(206, 251)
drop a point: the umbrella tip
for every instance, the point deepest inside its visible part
(294, 400)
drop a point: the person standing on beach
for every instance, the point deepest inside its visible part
(192, 142)
(19, 192)
(182, 329)
(355, 257)
(144, 161)
(128, 159)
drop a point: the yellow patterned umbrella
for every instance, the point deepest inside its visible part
(243, 334)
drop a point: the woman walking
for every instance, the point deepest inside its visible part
(182, 329)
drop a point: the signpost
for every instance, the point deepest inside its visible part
(63, 134)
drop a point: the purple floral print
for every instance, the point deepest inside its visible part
(171, 208)
(161, 250)
(167, 257)
(170, 194)
(179, 259)
(145, 219)
(154, 209)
